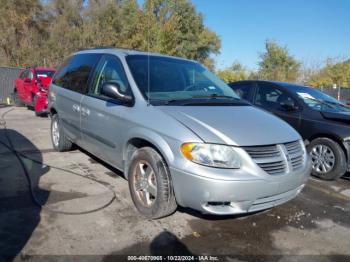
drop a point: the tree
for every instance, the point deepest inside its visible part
(234, 73)
(277, 64)
(65, 29)
(338, 72)
(20, 23)
(52, 29)
(335, 71)
(175, 28)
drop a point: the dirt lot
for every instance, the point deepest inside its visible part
(316, 223)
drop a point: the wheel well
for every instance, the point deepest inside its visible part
(334, 138)
(53, 111)
(135, 144)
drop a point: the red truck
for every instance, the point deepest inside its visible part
(31, 88)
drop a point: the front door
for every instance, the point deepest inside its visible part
(271, 98)
(102, 120)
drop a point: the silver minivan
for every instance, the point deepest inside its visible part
(179, 134)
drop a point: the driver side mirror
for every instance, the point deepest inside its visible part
(112, 90)
(288, 105)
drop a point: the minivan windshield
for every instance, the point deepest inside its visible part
(318, 100)
(170, 79)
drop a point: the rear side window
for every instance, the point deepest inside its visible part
(243, 90)
(75, 72)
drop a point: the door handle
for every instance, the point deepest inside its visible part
(76, 108)
(85, 111)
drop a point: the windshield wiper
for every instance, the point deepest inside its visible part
(214, 96)
(200, 100)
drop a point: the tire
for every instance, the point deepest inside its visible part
(163, 202)
(329, 148)
(16, 99)
(60, 143)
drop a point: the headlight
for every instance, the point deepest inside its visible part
(211, 155)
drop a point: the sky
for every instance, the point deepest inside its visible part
(312, 30)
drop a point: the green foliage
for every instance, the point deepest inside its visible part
(19, 29)
(277, 64)
(175, 28)
(234, 73)
(32, 29)
(334, 72)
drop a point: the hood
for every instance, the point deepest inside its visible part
(233, 125)
(337, 115)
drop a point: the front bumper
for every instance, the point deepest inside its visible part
(224, 197)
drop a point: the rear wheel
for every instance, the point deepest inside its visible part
(150, 184)
(59, 140)
(328, 158)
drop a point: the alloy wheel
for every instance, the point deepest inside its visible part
(145, 183)
(322, 158)
(55, 133)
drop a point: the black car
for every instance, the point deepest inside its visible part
(322, 121)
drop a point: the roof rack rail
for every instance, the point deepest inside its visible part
(110, 47)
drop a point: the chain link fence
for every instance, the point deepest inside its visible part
(341, 94)
(8, 76)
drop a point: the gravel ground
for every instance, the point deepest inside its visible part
(78, 217)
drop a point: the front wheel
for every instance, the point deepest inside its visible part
(59, 139)
(150, 184)
(328, 159)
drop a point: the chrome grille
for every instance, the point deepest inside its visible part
(297, 162)
(269, 158)
(293, 147)
(263, 151)
(295, 152)
(273, 168)
(277, 159)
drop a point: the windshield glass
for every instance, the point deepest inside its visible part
(44, 73)
(176, 79)
(318, 100)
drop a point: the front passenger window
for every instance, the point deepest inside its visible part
(109, 70)
(270, 97)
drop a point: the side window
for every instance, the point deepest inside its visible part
(243, 90)
(58, 78)
(30, 74)
(74, 75)
(109, 69)
(25, 74)
(22, 75)
(271, 97)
